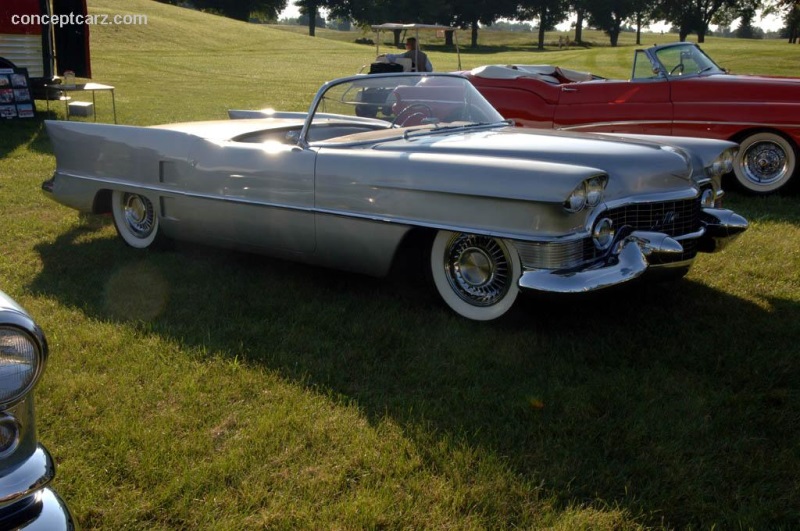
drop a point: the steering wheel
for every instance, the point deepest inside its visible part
(412, 111)
(678, 69)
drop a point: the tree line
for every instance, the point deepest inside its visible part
(610, 16)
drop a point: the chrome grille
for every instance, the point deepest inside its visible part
(550, 255)
(673, 218)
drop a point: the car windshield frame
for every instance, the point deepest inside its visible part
(397, 101)
(682, 60)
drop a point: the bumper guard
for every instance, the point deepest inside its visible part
(628, 258)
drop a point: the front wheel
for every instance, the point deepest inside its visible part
(136, 219)
(475, 275)
(766, 163)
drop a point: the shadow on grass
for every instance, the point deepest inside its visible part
(676, 402)
(16, 133)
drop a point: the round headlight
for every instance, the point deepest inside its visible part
(594, 192)
(603, 234)
(20, 361)
(577, 199)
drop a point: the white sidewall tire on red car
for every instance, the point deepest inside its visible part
(765, 164)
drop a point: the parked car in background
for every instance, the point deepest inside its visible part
(26, 468)
(381, 160)
(674, 89)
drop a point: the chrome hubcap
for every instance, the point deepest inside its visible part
(477, 269)
(139, 214)
(765, 163)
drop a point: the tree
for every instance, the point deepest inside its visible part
(471, 14)
(580, 8)
(790, 9)
(642, 15)
(692, 15)
(310, 9)
(238, 9)
(608, 15)
(548, 12)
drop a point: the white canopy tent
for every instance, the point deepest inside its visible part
(415, 28)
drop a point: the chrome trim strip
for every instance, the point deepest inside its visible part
(671, 122)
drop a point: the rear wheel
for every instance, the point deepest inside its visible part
(136, 219)
(475, 275)
(765, 164)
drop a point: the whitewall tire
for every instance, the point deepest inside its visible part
(765, 164)
(135, 218)
(475, 275)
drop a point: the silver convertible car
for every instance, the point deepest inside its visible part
(381, 159)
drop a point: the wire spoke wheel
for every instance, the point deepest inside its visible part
(475, 275)
(765, 164)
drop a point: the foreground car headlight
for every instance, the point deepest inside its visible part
(722, 164)
(20, 364)
(576, 200)
(589, 193)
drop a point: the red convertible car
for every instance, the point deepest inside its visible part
(675, 89)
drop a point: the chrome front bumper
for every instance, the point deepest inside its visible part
(629, 256)
(25, 500)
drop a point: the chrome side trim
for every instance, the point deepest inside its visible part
(671, 122)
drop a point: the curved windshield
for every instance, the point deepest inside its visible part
(685, 60)
(371, 103)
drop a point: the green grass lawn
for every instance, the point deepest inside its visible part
(199, 388)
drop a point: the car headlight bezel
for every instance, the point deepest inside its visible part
(723, 164)
(588, 194)
(22, 359)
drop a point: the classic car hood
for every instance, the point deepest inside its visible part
(626, 161)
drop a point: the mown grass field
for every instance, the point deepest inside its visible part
(202, 389)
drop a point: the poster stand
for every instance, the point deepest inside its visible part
(16, 99)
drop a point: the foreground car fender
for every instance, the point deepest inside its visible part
(26, 468)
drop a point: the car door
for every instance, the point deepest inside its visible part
(256, 196)
(616, 106)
